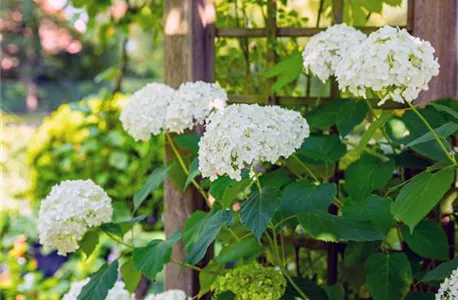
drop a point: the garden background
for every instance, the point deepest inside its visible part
(56, 53)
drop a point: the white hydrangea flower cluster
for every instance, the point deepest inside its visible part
(325, 50)
(116, 293)
(390, 61)
(168, 295)
(449, 288)
(242, 135)
(157, 107)
(193, 103)
(145, 112)
(72, 207)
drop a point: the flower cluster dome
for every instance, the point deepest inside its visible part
(449, 288)
(192, 104)
(157, 107)
(242, 135)
(145, 112)
(70, 209)
(168, 295)
(325, 50)
(389, 61)
(116, 293)
(251, 282)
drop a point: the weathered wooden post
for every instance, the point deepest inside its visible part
(437, 21)
(188, 56)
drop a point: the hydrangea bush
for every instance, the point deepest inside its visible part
(266, 174)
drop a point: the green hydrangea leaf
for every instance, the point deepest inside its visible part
(446, 109)
(219, 186)
(188, 142)
(155, 180)
(358, 252)
(308, 287)
(322, 149)
(276, 179)
(334, 292)
(427, 240)
(326, 227)
(208, 276)
(233, 191)
(405, 129)
(193, 172)
(130, 275)
(420, 195)
(259, 208)
(441, 272)
(388, 276)
(443, 131)
(304, 195)
(245, 248)
(350, 114)
(89, 242)
(366, 175)
(100, 282)
(325, 115)
(374, 6)
(367, 135)
(177, 175)
(203, 232)
(374, 208)
(286, 70)
(151, 258)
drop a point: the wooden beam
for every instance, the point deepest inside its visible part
(305, 101)
(187, 57)
(281, 31)
(436, 22)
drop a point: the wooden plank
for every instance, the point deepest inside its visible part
(436, 22)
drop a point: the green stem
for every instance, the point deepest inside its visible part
(180, 263)
(284, 220)
(283, 269)
(320, 95)
(450, 157)
(337, 202)
(232, 233)
(397, 186)
(118, 240)
(304, 166)
(369, 151)
(185, 169)
(371, 109)
(258, 183)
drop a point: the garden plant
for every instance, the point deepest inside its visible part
(266, 175)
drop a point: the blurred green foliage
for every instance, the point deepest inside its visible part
(55, 93)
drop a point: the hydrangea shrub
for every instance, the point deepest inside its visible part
(271, 183)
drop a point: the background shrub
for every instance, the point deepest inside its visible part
(85, 140)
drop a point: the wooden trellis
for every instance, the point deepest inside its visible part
(190, 55)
